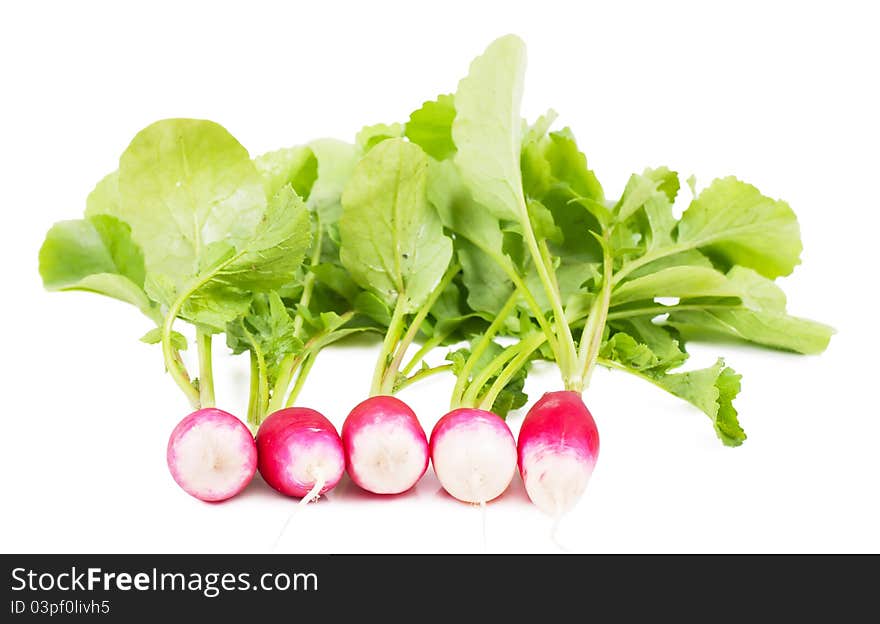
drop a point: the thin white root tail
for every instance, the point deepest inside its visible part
(555, 527)
(312, 495)
(483, 519)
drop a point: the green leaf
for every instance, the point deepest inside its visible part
(676, 281)
(712, 390)
(488, 288)
(430, 127)
(183, 185)
(336, 161)
(214, 306)
(735, 224)
(459, 212)
(760, 318)
(296, 166)
(667, 181)
(154, 336)
(688, 258)
(487, 129)
(512, 396)
(97, 255)
(542, 222)
(337, 279)
(392, 238)
(267, 328)
(663, 342)
(554, 160)
(271, 257)
(373, 307)
(638, 190)
(370, 136)
(104, 198)
(771, 329)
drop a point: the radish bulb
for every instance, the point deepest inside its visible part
(386, 449)
(212, 455)
(474, 454)
(558, 447)
(300, 453)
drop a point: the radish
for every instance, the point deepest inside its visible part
(392, 243)
(474, 454)
(300, 453)
(386, 449)
(212, 455)
(557, 448)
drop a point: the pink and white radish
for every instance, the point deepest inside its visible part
(557, 448)
(212, 455)
(300, 453)
(474, 454)
(386, 449)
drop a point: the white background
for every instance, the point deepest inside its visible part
(784, 95)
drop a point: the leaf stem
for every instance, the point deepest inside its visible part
(263, 402)
(428, 346)
(520, 285)
(527, 347)
(309, 280)
(390, 375)
(253, 415)
(392, 337)
(173, 363)
(594, 328)
(206, 368)
(469, 399)
(172, 358)
(566, 356)
(423, 373)
(292, 362)
(304, 369)
(485, 340)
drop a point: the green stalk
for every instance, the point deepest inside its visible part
(304, 369)
(294, 362)
(174, 364)
(309, 281)
(172, 357)
(591, 338)
(528, 346)
(288, 366)
(520, 285)
(392, 337)
(390, 374)
(481, 346)
(253, 410)
(263, 391)
(566, 357)
(473, 390)
(429, 345)
(206, 368)
(423, 373)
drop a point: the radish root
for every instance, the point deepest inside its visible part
(313, 495)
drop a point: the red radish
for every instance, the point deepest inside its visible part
(558, 447)
(212, 455)
(386, 449)
(300, 453)
(474, 454)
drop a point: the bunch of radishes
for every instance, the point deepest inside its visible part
(464, 225)
(213, 455)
